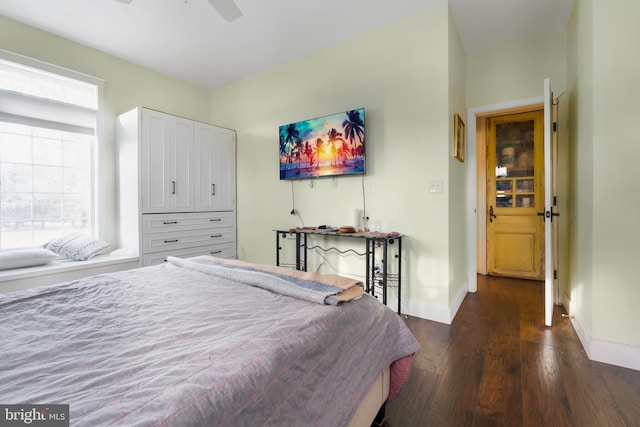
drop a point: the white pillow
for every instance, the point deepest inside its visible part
(77, 246)
(17, 258)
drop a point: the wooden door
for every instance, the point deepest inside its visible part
(551, 213)
(515, 196)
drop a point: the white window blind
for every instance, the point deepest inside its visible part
(47, 151)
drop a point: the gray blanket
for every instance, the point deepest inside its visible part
(307, 290)
(173, 346)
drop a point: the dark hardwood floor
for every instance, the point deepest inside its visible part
(498, 365)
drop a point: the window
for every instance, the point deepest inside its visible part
(47, 152)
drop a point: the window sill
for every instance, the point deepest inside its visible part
(57, 271)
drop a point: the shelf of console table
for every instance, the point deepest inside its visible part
(371, 239)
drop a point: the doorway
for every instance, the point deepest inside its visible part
(477, 215)
(477, 146)
(515, 195)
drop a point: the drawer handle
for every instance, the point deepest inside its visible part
(215, 219)
(170, 222)
(171, 241)
(215, 252)
(216, 236)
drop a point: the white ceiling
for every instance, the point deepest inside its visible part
(187, 39)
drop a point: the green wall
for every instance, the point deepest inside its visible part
(401, 74)
(458, 196)
(616, 230)
(515, 71)
(603, 90)
(581, 201)
(604, 93)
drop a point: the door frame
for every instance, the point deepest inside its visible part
(476, 214)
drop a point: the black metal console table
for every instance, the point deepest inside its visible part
(372, 240)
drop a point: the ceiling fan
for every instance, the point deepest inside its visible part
(226, 8)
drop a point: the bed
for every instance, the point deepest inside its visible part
(203, 341)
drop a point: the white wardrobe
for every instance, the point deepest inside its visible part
(176, 187)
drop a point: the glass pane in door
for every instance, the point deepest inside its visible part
(514, 164)
(514, 149)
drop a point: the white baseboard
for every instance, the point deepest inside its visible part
(437, 313)
(457, 302)
(607, 352)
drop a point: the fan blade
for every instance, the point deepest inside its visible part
(226, 8)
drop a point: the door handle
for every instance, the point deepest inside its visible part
(491, 214)
(213, 189)
(548, 214)
(173, 187)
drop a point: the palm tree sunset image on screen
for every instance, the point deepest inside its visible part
(325, 146)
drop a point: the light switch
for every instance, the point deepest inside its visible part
(435, 186)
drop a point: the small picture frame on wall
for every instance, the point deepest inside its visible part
(459, 138)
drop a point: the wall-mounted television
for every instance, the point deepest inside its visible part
(325, 146)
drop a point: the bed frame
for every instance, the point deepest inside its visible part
(371, 411)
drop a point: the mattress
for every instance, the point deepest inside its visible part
(178, 345)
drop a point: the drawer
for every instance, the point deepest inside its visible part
(223, 250)
(155, 242)
(156, 223)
